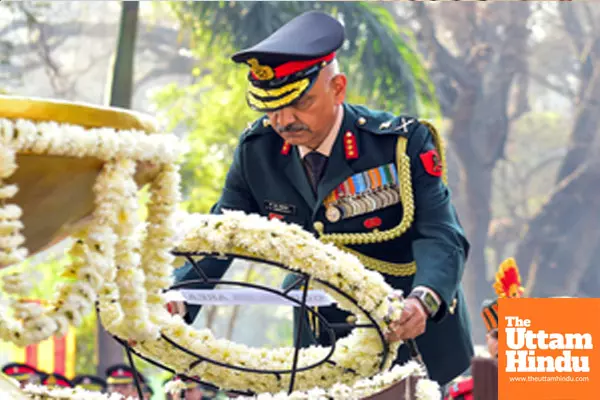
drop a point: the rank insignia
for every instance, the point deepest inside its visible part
(363, 193)
(285, 149)
(350, 146)
(404, 124)
(432, 163)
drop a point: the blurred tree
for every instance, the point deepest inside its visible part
(480, 75)
(559, 249)
(38, 42)
(521, 179)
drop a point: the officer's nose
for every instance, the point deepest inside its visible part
(284, 117)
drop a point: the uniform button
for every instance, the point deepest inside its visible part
(362, 121)
(452, 308)
(319, 227)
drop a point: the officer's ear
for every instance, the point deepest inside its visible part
(338, 86)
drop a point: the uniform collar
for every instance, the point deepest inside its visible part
(326, 145)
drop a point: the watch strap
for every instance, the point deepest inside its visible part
(426, 299)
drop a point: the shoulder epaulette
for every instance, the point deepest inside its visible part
(258, 127)
(387, 124)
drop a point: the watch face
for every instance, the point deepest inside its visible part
(430, 302)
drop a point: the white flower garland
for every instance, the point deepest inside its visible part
(37, 392)
(426, 389)
(357, 355)
(93, 271)
(106, 144)
(162, 231)
(10, 214)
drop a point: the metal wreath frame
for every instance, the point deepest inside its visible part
(304, 278)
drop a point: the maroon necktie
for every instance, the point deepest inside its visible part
(314, 163)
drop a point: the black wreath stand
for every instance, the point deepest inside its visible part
(303, 280)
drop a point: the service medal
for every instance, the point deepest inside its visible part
(348, 211)
(371, 202)
(333, 214)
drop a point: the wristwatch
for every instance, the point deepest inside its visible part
(428, 301)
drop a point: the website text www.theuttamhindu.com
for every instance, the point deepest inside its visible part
(549, 378)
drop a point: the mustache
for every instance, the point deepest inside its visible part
(292, 128)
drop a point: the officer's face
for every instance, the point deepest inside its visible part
(193, 394)
(125, 390)
(492, 343)
(309, 120)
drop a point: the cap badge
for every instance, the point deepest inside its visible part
(261, 72)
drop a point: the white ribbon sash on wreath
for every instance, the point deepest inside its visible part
(247, 296)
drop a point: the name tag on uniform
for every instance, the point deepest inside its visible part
(280, 208)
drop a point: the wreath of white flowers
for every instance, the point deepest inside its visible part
(356, 356)
(126, 264)
(426, 389)
(37, 392)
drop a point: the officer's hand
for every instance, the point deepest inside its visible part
(176, 308)
(411, 324)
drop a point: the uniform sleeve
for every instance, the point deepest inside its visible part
(236, 195)
(440, 248)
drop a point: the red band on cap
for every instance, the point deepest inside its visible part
(19, 370)
(295, 66)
